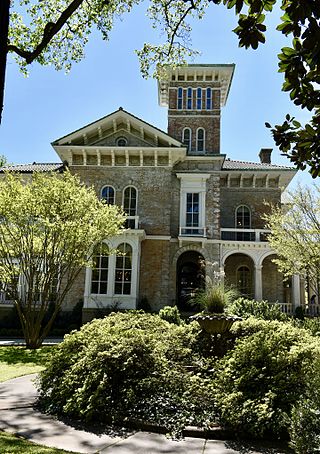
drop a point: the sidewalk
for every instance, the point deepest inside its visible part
(21, 341)
(18, 416)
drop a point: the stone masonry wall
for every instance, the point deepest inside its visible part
(193, 118)
(154, 272)
(153, 185)
(254, 198)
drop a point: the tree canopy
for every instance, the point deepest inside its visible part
(56, 31)
(48, 229)
(295, 235)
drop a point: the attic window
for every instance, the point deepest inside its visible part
(122, 142)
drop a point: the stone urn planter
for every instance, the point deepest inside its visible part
(215, 323)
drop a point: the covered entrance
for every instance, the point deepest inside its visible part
(190, 278)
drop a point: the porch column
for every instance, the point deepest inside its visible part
(258, 282)
(296, 297)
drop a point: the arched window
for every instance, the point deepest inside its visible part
(208, 99)
(186, 138)
(189, 98)
(200, 139)
(121, 141)
(244, 281)
(99, 276)
(199, 98)
(123, 270)
(243, 217)
(108, 194)
(130, 206)
(180, 98)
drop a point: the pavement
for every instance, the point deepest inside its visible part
(18, 416)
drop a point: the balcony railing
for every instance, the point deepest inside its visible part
(192, 231)
(244, 234)
(132, 222)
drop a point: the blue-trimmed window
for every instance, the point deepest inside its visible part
(108, 194)
(208, 99)
(199, 98)
(189, 98)
(180, 98)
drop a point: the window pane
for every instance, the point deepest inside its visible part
(130, 201)
(107, 194)
(123, 270)
(99, 274)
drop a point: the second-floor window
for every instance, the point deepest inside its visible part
(130, 206)
(186, 138)
(99, 277)
(192, 209)
(243, 217)
(108, 194)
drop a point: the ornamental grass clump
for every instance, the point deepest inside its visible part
(215, 298)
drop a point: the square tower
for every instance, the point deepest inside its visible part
(194, 95)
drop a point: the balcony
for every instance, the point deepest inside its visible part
(257, 235)
(193, 231)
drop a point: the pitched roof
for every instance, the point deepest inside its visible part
(230, 164)
(35, 167)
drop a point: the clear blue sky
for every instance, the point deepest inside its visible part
(49, 104)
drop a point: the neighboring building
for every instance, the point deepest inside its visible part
(188, 205)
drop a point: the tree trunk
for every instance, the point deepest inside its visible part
(4, 27)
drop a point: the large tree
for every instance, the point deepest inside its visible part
(295, 235)
(56, 31)
(49, 226)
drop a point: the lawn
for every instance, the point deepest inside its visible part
(11, 444)
(18, 361)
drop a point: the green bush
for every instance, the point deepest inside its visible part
(305, 428)
(245, 308)
(259, 382)
(171, 314)
(127, 364)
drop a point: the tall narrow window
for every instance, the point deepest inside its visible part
(200, 139)
(107, 194)
(123, 271)
(199, 98)
(130, 206)
(189, 98)
(244, 281)
(192, 212)
(209, 99)
(180, 98)
(186, 138)
(99, 277)
(243, 217)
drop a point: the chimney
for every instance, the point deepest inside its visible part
(265, 155)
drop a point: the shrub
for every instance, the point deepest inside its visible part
(304, 428)
(245, 308)
(260, 381)
(127, 364)
(171, 314)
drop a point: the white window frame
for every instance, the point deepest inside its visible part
(236, 217)
(131, 217)
(189, 98)
(180, 98)
(209, 98)
(192, 183)
(93, 300)
(199, 98)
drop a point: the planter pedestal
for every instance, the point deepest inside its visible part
(215, 323)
